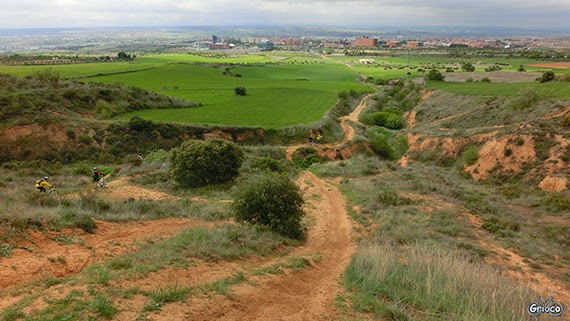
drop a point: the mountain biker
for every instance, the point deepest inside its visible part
(42, 184)
(97, 174)
(319, 138)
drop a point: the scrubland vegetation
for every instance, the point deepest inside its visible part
(433, 242)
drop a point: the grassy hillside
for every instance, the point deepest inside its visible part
(461, 217)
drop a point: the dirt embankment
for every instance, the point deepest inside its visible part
(504, 154)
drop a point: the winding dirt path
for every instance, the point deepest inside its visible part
(348, 130)
(306, 295)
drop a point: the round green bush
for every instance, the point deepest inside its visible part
(382, 148)
(304, 157)
(199, 163)
(271, 200)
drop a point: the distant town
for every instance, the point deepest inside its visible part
(149, 40)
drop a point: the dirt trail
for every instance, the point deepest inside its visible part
(348, 130)
(464, 112)
(560, 113)
(306, 295)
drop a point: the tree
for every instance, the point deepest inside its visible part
(271, 200)
(240, 91)
(434, 74)
(467, 66)
(547, 76)
(122, 55)
(521, 68)
(199, 163)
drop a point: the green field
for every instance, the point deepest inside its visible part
(554, 89)
(278, 95)
(141, 63)
(378, 70)
(284, 88)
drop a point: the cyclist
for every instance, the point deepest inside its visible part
(42, 184)
(96, 174)
(319, 138)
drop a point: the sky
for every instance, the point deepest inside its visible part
(523, 14)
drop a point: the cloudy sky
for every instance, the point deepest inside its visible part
(526, 14)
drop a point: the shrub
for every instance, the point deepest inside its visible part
(305, 156)
(270, 200)
(381, 146)
(270, 164)
(547, 76)
(468, 67)
(199, 163)
(566, 121)
(240, 91)
(486, 79)
(384, 119)
(158, 155)
(471, 154)
(434, 74)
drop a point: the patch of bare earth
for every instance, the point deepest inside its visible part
(502, 154)
(410, 117)
(448, 146)
(553, 184)
(555, 65)
(121, 188)
(47, 257)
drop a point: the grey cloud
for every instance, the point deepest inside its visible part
(75, 13)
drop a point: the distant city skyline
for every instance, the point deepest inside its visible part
(518, 14)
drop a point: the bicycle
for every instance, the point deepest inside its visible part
(53, 192)
(102, 183)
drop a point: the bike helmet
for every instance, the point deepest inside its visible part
(46, 178)
(94, 168)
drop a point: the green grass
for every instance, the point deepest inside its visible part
(141, 63)
(81, 70)
(435, 285)
(555, 89)
(277, 96)
(267, 108)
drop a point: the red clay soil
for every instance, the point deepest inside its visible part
(492, 156)
(448, 146)
(122, 189)
(553, 184)
(559, 113)
(48, 258)
(55, 133)
(555, 65)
